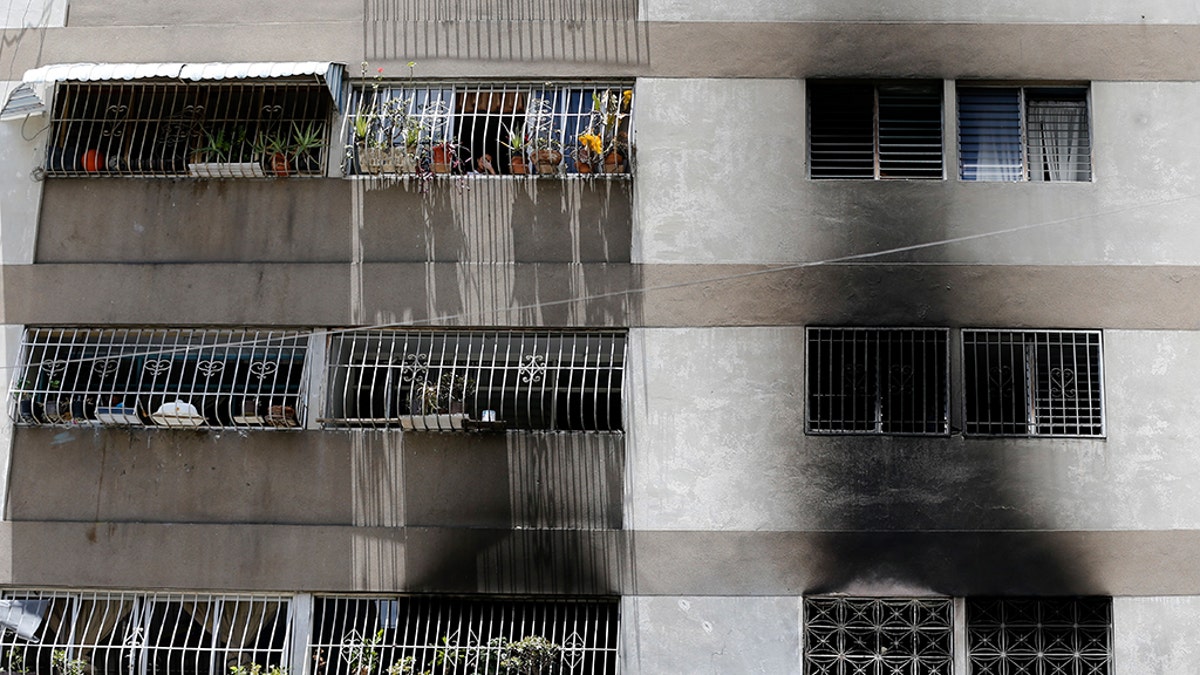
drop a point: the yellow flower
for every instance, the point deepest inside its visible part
(591, 142)
(626, 99)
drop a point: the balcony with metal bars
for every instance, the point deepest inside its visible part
(188, 378)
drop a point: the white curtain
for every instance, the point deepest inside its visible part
(999, 157)
(1058, 143)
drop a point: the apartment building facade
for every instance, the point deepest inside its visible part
(631, 336)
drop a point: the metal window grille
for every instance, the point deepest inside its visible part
(489, 10)
(161, 376)
(1033, 383)
(862, 130)
(878, 380)
(198, 129)
(1024, 134)
(1039, 636)
(490, 129)
(115, 633)
(370, 636)
(477, 379)
(877, 636)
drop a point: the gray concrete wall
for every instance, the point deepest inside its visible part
(314, 220)
(1156, 635)
(987, 11)
(719, 444)
(722, 166)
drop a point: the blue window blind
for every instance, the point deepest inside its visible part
(989, 134)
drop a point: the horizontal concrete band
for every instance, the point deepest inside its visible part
(627, 48)
(648, 563)
(555, 294)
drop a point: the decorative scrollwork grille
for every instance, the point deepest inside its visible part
(878, 380)
(166, 377)
(459, 635)
(245, 129)
(1033, 383)
(121, 633)
(484, 379)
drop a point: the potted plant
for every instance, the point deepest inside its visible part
(273, 149)
(540, 137)
(604, 145)
(223, 155)
(438, 404)
(515, 142)
(306, 147)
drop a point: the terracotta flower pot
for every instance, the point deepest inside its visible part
(443, 158)
(517, 166)
(613, 163)
(547, 161)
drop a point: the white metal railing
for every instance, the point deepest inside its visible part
(199, 129)
(489, 10)
(122, 633)
(160, 376)
(1033, 382)
(476, 379)
(438, 636)
(527, 129)
(878, 380)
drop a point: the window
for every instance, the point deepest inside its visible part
(862, 130)
(211, 129)
(125, 633)
(491, 129)
(166, 377)
(1033, 383)
(482, 379)
(1044, 635)
(463, 635)
(1024, 134)
(878, 380)
(878, 636)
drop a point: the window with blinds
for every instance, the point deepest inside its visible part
(1033, 383)
(1024, 134)
(878, 380)
(866, 130)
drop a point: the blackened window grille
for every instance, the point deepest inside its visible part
(878, 380)
(477, 379)
(1039, 636)
(373, 636)
(1033, 383)
(161, 376)
(199, 129)
(866, 130)
(878, 636)
(118, 633)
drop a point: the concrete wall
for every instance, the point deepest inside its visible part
(722, 166)
(987, 11)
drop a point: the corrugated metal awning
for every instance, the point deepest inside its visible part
(22, 101)
(36, 80)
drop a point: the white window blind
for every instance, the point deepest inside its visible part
(1024, 134)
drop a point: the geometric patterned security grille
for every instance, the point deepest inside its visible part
(878, 381)
(441, 635)
(878, 636)
(172, 377)
(1053, 636)
(1033, 383)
